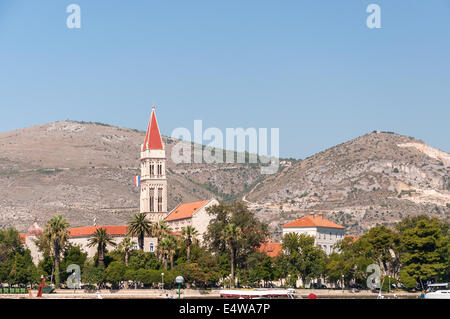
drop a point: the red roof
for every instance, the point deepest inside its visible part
(270, 248)
(90, 230)
(23, 237)
(153, 139)
(312, 221)
(34, 229)
(352, 237)
(185, 210)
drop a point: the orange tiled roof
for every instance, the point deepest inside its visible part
(312, 221)
(185, 210)
(34, 229)
(270, 248)
(90, 230)
(22, 237)
(353, 237)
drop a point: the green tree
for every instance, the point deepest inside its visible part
(303, 257)
(189, 234)
(54, 239)
(115, 273)
(193, 274)
(231, 235)
(126, 245)
(384, 248)
(10, 245)
(101, 239)
(167, 249)
(23, 271)
(408, 281)
(234, 218)
(45, 266)
(350, 260)
(140, 227)
(143, 260)
(259, 268)
(92, 274)
(72, 255)
(148, 276)
(172, 248)
(160, 230)
(425, 243)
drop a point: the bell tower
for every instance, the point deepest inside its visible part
(153, 199)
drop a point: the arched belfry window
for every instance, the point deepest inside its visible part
(152, 199)
(160, 199)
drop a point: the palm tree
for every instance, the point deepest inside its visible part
(231, 234)
(189, 234)
(139, 227)
(172, 244)
(56, 234)
(126, 245)
(163, 250)
(160, 230)
(100, 239)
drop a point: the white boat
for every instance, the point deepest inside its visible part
(439, 294)
(257, 293)
(437, 291)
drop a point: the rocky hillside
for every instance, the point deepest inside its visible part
(375, 179)
(85, 170)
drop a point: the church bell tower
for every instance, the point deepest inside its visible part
(153, 199)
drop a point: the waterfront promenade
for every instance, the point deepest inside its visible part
(199, 294)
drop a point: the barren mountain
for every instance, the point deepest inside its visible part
(375, 179)
(85, 170)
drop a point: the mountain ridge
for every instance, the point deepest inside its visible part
(85, 170)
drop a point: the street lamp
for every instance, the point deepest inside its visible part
(162, 280)
(179, 280)
(342, 282)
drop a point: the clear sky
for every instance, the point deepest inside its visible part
(311, 68)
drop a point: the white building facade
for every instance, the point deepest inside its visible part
(325, 232)
(191, 214)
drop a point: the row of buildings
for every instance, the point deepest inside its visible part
(153, 203)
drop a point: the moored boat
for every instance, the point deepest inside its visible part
(437, 291)
(258, 293)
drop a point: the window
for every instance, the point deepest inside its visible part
(152, 247)
(152, 199)
(159, 169)
(160, 200)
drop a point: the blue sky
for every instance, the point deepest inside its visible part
(311, 68)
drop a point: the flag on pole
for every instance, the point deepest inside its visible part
(137, 181)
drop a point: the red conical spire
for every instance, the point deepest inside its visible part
(153, 139)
